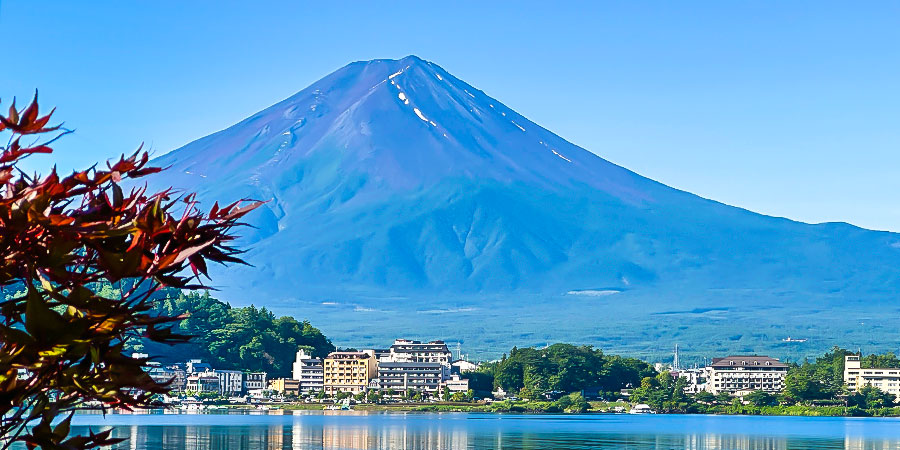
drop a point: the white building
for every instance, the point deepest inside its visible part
(405, 350)
(855, 377)
(255, 381)
(309, 372)
(461, 366)
(231, 382)
(738, 373)
(403, 376)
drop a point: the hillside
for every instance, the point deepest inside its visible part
(401, 195)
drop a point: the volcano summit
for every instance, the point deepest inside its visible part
(405, 202)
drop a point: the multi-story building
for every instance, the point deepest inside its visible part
(285, 386)
(309, 372)
(855, 377)
(203, 382)
(418, 376)
(255, 381)
(348, 371)
(745, 373)
(165, 374)
(405, 350)
(231, 382)
(456, 384)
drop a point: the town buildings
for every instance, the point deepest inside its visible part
(309, 372)
(348, 371)
(855, 377)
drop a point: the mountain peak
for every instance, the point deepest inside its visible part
(403, 196)
(401, 123)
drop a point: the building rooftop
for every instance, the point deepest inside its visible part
(747, 361)
(349, 355)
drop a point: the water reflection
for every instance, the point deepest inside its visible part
(455, 432)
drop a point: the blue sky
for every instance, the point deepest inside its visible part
(785, 108)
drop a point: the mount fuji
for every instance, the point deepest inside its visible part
(406, 202)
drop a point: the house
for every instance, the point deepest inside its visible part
(285, 386)
(461, 366)
(203, 382)
(255, 381)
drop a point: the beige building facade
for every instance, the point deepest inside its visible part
(855, 377)
(348, 371)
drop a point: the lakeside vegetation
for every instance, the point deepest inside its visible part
(554, 379)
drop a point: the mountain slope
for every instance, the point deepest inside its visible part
(393, 178)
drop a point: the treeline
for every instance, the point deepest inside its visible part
(536, 374)
(246, 338)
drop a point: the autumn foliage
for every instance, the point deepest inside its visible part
(61, 344)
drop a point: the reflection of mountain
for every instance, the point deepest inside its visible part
(393, 178)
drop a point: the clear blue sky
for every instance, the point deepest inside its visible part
(786, 108)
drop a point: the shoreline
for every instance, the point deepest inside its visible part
(539, 408)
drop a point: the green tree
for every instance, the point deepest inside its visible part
(800, 387)
(572, 403)
(62, 340)
(663, 393)
(760, 398)
(705, 397)
(723, 398)
(870, 397)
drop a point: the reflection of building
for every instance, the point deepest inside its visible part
(418, 376)
(855, 377)
(308, 372)
(285, 386)
(745, 373)
(405, 350)
(348, 371)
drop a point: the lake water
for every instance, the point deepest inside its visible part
(440, 431)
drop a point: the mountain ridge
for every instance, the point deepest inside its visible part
(394, 178)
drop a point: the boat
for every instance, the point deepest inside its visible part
(641, 408)
(344, 405)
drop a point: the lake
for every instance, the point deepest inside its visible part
(439, 431)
